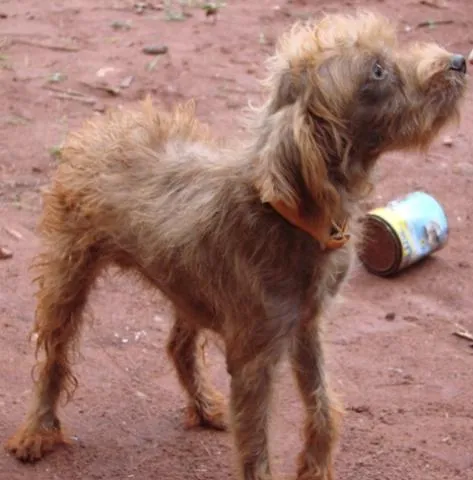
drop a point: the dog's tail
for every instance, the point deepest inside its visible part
(106, 138)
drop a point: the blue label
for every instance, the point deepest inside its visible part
(420, 223)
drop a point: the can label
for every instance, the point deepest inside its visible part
(419, 222)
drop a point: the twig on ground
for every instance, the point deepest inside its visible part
(432, 3)
(69, 96)
(434, 23)
(110, 89)
(75, 93)
(13, 233)
(48, 46)
(463, 333)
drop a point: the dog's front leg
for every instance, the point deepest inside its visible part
(251, 388)
(322, 413)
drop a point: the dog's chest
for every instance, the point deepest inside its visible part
(332, 273)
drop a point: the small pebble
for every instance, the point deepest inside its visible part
(101, 72)
(447, 141)
(210, 10)
(57, 77)
(5, 253)
(390, 316)
(100, 107)
(139, 334)
(155, 49)
(121, 25)
(140, 7)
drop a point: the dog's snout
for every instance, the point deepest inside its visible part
(458, 63)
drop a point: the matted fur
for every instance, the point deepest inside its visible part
(151, 192)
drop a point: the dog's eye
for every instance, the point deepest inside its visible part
(378, 72)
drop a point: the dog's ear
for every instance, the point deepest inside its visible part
(291, 166)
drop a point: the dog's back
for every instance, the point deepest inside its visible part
(157, 197)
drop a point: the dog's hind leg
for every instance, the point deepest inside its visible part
(206, 405)
(322, 412)
(251, 392)
(66, 269)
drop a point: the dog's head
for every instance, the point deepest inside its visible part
(342, 92)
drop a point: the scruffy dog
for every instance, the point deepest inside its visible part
(251, 242)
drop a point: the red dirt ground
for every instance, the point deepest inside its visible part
(406, 382)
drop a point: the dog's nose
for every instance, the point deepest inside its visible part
(458, 63)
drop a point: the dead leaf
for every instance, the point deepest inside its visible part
(104, 70)
(127, 81)
(150, 66)
(102, 85)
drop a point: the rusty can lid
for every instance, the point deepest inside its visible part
(381, 251)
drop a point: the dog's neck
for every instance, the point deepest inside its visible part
(330, 236)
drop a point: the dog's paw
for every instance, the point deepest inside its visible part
(212, 415)
(30, 444)
(314, 473)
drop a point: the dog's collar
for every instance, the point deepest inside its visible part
(329, 237)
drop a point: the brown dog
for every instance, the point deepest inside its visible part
(251, 242)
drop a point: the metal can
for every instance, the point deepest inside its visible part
(406, 230)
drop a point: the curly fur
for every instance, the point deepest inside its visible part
(153, 193)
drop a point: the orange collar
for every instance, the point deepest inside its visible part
(330, 238)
